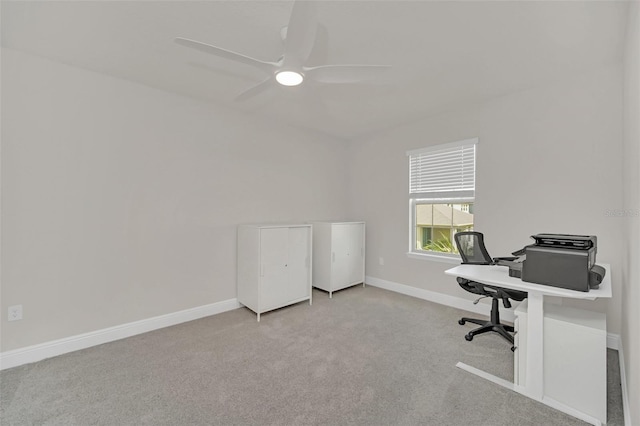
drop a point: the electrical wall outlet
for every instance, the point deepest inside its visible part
(15, 313)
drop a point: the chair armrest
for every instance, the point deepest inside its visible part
(509, 258)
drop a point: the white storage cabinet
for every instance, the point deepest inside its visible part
(338, 255)
(575, 357)
(274, 265)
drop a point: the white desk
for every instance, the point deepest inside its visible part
(499, 276)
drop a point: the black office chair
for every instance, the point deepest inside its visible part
(472, 250)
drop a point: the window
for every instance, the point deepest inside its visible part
(441, 195)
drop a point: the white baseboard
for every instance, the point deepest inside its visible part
(626, 409)
(613, 340)
(53, 348)
(440, 298)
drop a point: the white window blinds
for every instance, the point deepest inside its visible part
(443, 171)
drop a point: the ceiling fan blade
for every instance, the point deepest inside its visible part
(254, 90)
(227, 54)
(301, 33)
(345, 73)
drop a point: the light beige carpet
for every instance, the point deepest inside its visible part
(366, 357)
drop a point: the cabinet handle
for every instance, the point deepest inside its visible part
(333, 256)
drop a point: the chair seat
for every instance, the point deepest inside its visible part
(490, 290)
(471, 247)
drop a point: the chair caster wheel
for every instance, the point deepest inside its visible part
(461, 322)
(513, 348)
(468, 337)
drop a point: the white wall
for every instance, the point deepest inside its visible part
(549, 160)
(120, 202)
(631, 187)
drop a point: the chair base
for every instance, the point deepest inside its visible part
(487, 326)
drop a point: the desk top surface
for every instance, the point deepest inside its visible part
(499, 276)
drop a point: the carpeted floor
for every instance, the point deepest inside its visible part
(366, 357)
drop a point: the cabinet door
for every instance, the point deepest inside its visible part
(274, 254)
(298, 266)
(575, 364)
(285, 266)
(355, 253)
(347, 252)
(339, 256)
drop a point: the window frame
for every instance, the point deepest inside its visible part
(448, 198)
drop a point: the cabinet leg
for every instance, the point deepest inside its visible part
(258, 317)
(330, 295)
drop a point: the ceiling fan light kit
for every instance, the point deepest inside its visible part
(289, 78)
(299, 38)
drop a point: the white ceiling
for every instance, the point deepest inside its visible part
(443, 54)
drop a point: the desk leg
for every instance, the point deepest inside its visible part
(534, 384)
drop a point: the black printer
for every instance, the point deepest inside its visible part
(559, 260)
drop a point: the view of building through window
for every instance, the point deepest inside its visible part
(441, 195)
(436, 225)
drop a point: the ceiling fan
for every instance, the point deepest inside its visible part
(299, 38)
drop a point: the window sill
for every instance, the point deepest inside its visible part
(435, 257)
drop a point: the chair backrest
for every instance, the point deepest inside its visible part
(471, 248)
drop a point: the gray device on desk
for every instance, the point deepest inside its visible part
(560, 260)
